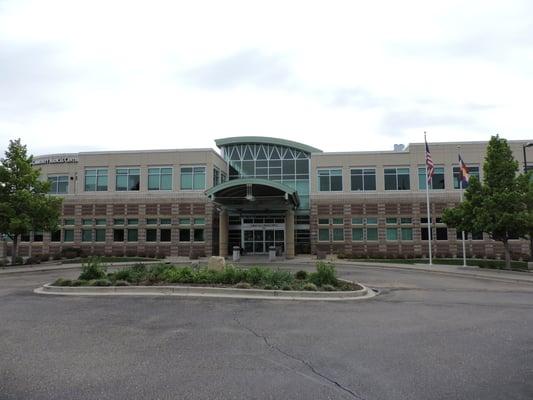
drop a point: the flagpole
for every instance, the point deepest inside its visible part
(461, 194)
(428, 210)
(463, 232)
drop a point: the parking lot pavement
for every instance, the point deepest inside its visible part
(425, 336)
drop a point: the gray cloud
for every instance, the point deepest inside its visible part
(398, 121)
(495, 45)
(354, 97)
(248, 67)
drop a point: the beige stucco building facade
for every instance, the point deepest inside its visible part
(260, 193)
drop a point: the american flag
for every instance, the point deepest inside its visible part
(429, 163)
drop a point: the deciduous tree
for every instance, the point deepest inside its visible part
(496, 206)
(25, 204)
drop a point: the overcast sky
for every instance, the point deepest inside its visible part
(337, 75)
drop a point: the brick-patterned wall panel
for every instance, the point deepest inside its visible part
(151, 209)
(439, 208)
(87, 209)
(442, 249)
(393, 250)
(165, 208)
(357, 209)
(406, 209)
(132, 209)
(372, 250)
(337, 208)
(358, 250)
(323, 209)
(119, 209)
(100, 209)
(198, 208)
(69, 209)
(184, 208)
(391, 209)
(371, 209)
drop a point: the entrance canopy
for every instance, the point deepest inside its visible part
(254, 194)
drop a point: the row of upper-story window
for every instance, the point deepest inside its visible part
(129, 179)
(394, 178)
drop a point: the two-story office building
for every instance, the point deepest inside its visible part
(260, 192)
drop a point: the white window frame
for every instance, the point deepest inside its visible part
(363, 178)
(56, 177)
(193, 167)
(159, 174)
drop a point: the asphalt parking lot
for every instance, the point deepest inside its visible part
(426, 336)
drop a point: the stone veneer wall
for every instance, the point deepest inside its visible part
(452, 247)
(134, 209)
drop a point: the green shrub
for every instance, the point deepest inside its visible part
(62, 282)
(243, 285)
(121, 283)
(137, 273)
(301, 275)
(93, 269)
(18, 260)
(32, 260)
(45, 257)
(256, 275)
(101, 282)
(231, 275)
(123, 274)
(328, 288)
(279, 278)
(80, 282)
(325, 274)
(268, 287)
(156, 273)
(310, 287)
(286, 287)
(71, 252)
(204, 275)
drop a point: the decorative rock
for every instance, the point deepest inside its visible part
(216, 263)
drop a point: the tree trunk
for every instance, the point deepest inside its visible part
(507, 254)
(15, 249)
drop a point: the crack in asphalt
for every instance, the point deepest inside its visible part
(307, 364)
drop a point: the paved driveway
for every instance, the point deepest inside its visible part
(426, 336)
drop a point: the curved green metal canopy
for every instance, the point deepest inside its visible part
(266, 140)
(239, 189)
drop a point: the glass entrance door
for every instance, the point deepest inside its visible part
(259, 232)
(257, 240)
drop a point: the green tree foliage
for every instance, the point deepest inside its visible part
(25, 204)
(497, 205)
(526, 183)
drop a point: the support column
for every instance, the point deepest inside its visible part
(223, 233)
(289, 234)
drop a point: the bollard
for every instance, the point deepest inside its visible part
(272, 253)
(236, 253)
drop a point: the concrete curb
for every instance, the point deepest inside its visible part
(441, 272)
(196, 291)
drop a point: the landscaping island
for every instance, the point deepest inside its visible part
(94, 273)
